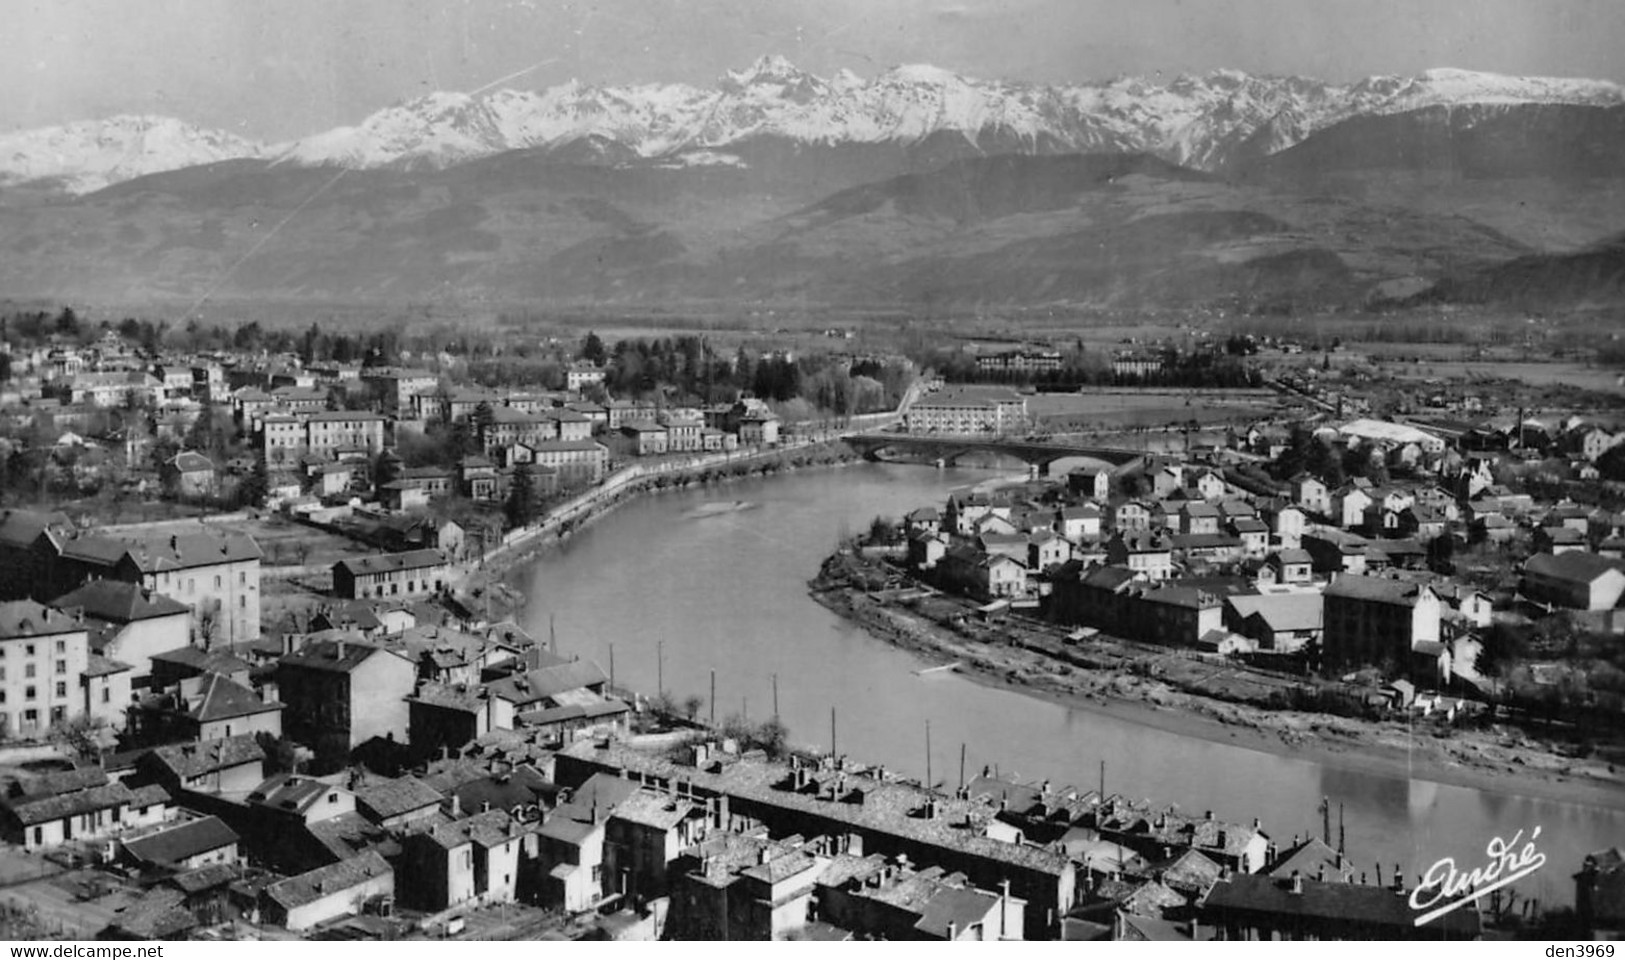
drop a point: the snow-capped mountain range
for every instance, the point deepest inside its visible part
(1202, 121)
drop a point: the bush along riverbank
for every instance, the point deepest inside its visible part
(1156, 686)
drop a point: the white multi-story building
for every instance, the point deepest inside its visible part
(969, 411)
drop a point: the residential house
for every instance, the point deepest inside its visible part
(1333, 551)
(1093, 483)
(327, 893)
(416, 573)
(571, 840)
(1348, 506)
(1198, 517)
(128, 623)
(1280, 622)
(188, 845)
(1131, 515)
(1253, 534)
(734, 886)
(206, 707)
(1558, 540)
(45, 654)
(1079, 523)
(1291, 566)
(188, 474)
(1149, 555)
(40, 821)
(649, 439)
(1311, 494)
(230, 767)
(340, 694)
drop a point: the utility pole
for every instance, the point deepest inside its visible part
(612, 667)
(1340, 834)
(713, 697)
(1326, 820)
(660, 668)
(928, 780)
(1103, 781)
(832, 732)
(775, 696)
(961, 765)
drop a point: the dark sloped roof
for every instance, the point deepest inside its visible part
(32, 810)
(19, 528)
(548, 681)
(223, 699)
(1334, 902)
(195, 759)
(391, 562)
(190, 839)
(119, 602)
(25, 618)
(1374, 589)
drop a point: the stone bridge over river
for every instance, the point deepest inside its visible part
(949, 448)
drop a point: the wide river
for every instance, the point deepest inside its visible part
(682, 584)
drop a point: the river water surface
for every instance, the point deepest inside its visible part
(685, 583)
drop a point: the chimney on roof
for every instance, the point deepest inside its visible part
(174, 543)
(341, 650)
(1399, 879)
(1297, 882)
(456, 806)
(1320, 875)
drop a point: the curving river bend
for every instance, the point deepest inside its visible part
(684, 583)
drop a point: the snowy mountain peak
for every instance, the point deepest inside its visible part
(1204, 121)
(770, 68)
(90, 154)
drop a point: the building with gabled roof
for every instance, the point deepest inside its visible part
(129, 623)
(47, 653)
(189, 845)
(1576, 579)
(1375, 620)
(205, 707)
(416, 573)
(1258, 907)
(326, 893)
(42, 821)
(228, 767)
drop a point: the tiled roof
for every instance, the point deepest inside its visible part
(33, 810)
(309, 887)
(1333, 902)
(1374, 589)
(190, 839)
(391, 562)
(119, 602)
(25, 618)
(548, 681)
(186, 760)
(390, 798)
(222, 699)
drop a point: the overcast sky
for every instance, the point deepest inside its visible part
(277, 69)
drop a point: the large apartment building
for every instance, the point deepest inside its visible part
(968, 410)
(43, 657)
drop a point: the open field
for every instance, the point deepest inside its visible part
(1150, 409)
(1536, 374)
